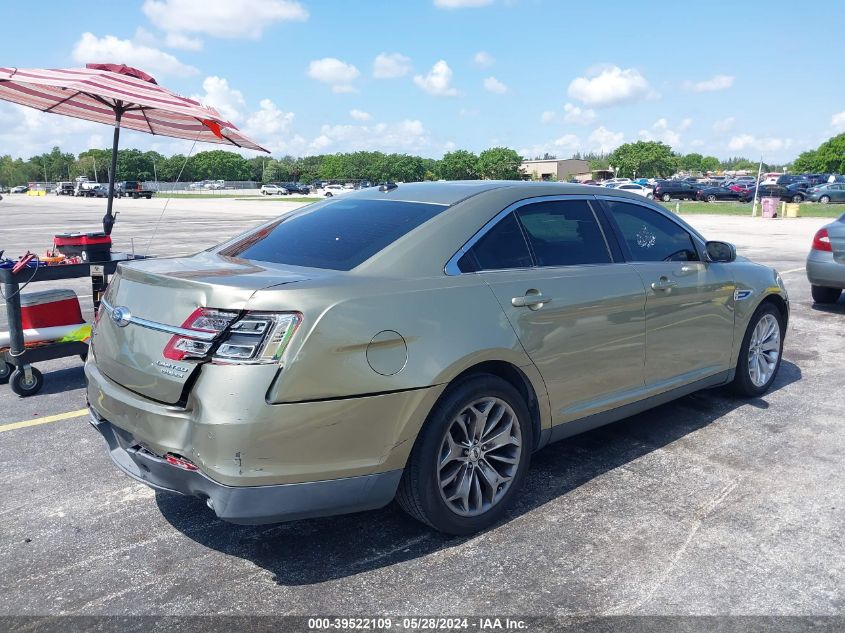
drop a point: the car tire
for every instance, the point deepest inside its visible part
(756, 367)
(329, 194)
(711, 198)
(422, 492)
(797, 198)
(23, 387)
(823, 294)
(824, 199)
(666, 197)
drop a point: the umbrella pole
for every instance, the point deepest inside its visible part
(108, 218)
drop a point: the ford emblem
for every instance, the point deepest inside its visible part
(121, 316)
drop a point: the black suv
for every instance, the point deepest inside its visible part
(294, 187)
(665, 190)
(769, 191)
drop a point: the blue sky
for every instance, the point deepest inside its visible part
(427, 76)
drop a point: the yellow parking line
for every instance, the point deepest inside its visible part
(45, 420)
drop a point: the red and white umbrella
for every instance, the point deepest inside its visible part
(119, 95)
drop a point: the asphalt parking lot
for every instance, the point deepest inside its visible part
(709, 505)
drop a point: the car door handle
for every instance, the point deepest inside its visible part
(533, 300)
(664, 284)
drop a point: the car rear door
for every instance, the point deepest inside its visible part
(689, 302)
(577, 311)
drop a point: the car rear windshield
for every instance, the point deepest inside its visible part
(337, 235)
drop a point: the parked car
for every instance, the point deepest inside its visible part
(417, 342)
(615, 181)
(273, 190)
(665, 190)
(830, 192)
(798, 190)
(132, 189)
(19, 189)
(767, 191)
(640, 190)
(335, 190)
(215, 185)
(788, 179)
(826, 262)
(712, 194)
(196, 186)
(294, 187)
(64, 189)
(741, 186)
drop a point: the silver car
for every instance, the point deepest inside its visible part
(826, 262)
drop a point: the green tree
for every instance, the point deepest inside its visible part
(458, 165)
(829, 157)
(220, 165)
(710, 163)
(691, 162)
(499, 163)
(644, 159)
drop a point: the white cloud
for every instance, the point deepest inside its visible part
(685, 124)
(837, 121)
(714, 84)
(610, 85)
(334, 72)
(724, 125)
(360, 115)
(182, 41)
(91, 48)
(225, 99)
(660, 131)
(582, 116)
(483, 59)
(268, 121)
(603, 140)
(761, 144)
(391, 65)
(408, 135)
(461, 4)
(560, 147)
(567, 141)
(222, 18)
(548, 116)
(491, 84)
(437, 81)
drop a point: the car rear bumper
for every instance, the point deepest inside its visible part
(248, 505)
(823, 270)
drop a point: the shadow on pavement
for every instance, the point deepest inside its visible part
(317, 550)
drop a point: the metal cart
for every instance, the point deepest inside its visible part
(16, 363)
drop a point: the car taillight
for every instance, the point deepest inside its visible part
(821, 241)
(201, 328)
(259, 337)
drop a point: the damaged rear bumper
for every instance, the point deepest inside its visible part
(248, 505)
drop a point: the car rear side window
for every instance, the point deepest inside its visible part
(650, 236)
(564, 233)
(336, 235)
(500, 248)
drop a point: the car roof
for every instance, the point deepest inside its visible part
(454, 191)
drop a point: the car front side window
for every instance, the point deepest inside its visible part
(650, 236)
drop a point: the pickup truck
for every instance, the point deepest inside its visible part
(132, 189)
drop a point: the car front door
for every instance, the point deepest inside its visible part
(578, 311)
(689, 302)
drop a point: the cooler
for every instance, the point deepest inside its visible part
(49, 308)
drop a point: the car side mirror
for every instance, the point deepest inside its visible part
(721, 252)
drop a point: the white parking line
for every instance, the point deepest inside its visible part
(792, 270)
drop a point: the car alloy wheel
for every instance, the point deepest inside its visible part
(666, 197)
(764, 350)
(824, 199)
(479, 456)
(797, 198)
(711, 198)
(470, 457)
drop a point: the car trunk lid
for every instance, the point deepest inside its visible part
(149, 301)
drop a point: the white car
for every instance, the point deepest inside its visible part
(632, 187)
(195, 186)
(613, 182)
(216, 184)
(335, 190)
(273, 190)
